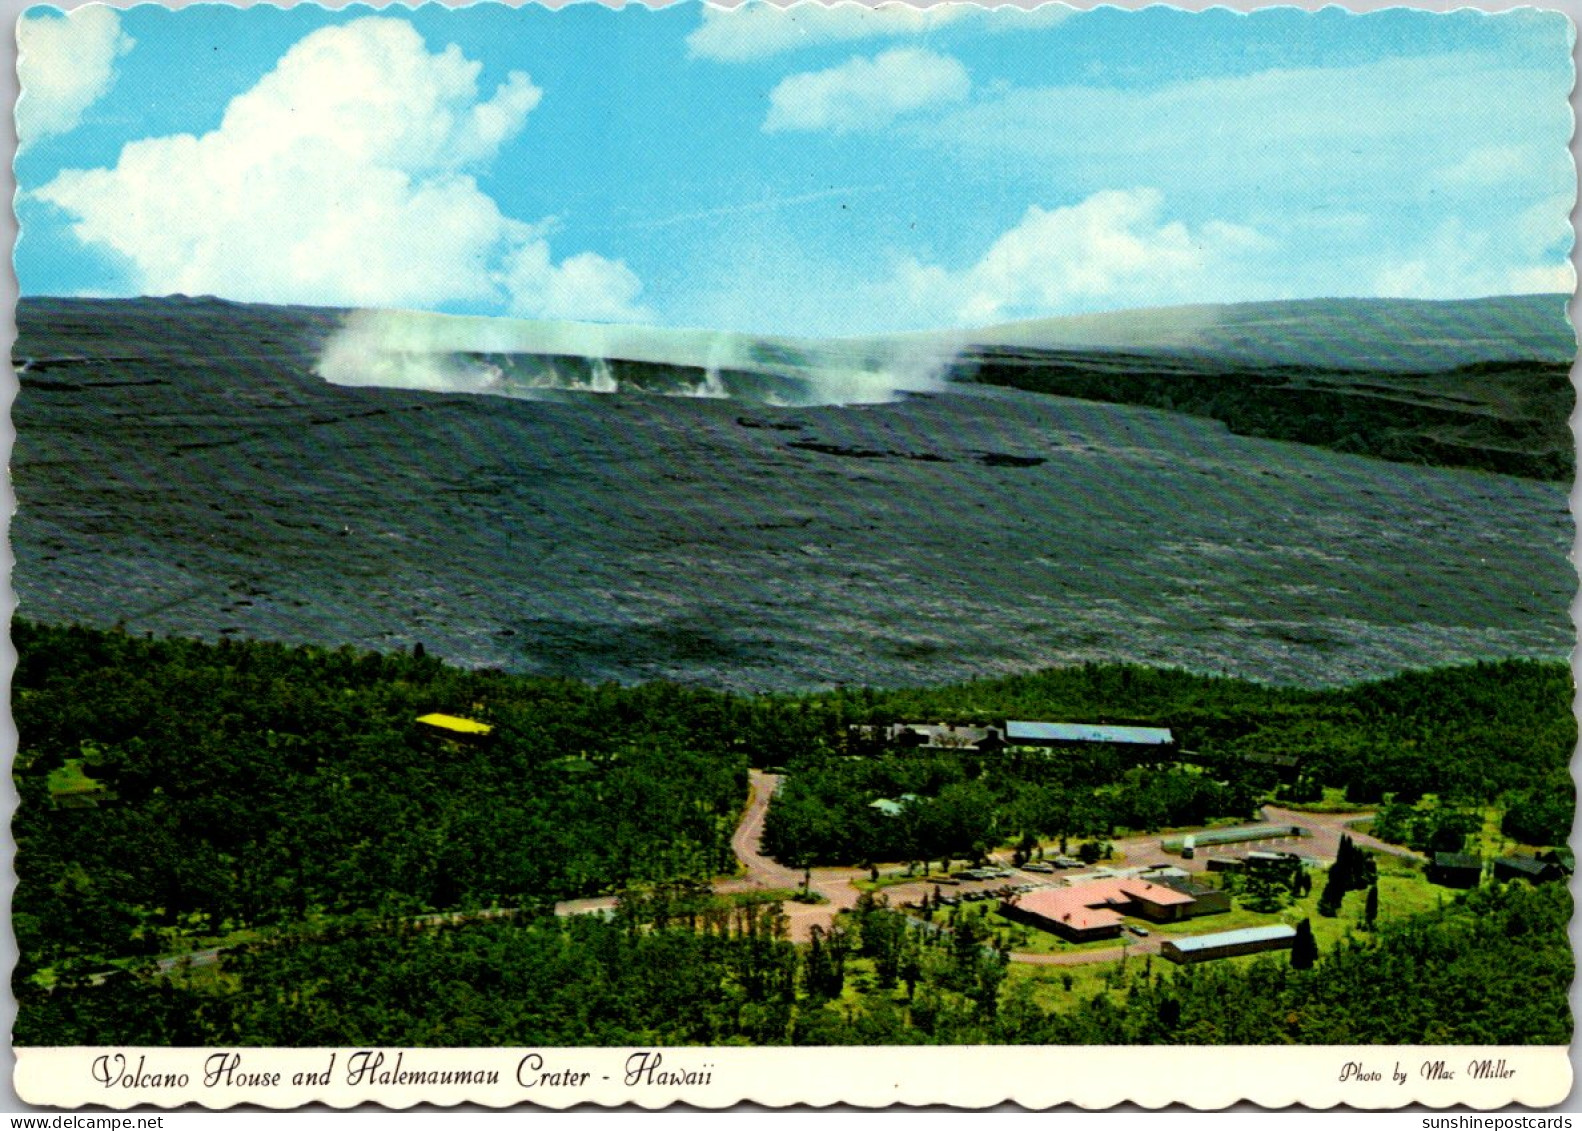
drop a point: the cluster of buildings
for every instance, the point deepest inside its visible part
(1138, 741)
(1087, 912)
(1461, 870)
(1097, 908)
(949, 736)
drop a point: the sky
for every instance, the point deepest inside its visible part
(818, 171)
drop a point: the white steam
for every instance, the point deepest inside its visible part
(506, 357)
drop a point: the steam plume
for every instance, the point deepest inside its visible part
(504, 357)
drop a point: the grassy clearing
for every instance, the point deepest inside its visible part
(1333, 801)
(862, 983)
(70, 783)
(896, 879)
(1491, 840)
(1402, 895)
(212, 977)
(1068, 987)
(1233, 920)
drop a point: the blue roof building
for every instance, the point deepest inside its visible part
(893, 808)
(1228, 944)
(1075, 734)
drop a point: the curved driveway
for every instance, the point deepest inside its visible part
(762, 871)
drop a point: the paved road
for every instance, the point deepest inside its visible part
(1328, 828)
(765, 873)
(746, 841)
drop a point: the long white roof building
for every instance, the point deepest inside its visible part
(1017, 733)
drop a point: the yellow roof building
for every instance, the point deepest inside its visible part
(456, 726)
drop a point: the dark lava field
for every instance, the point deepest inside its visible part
(180, 468)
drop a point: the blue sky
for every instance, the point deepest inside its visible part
(822, 171)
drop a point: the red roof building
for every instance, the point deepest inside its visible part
(1095, 910)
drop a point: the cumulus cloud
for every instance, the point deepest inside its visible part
(866, 94)
(345, 176)
(66, 64)
(1114, 248)
(584, 286)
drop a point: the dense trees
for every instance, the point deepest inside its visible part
(284, 799)
(1494, 967)
(1434, 828)
(823, 812)
(258, 785)
(1465, 732)
(1468, 734)
(1543, 814)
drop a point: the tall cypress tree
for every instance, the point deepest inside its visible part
(1334, 892)
(817, 975)
(1304, 949)
(1345, 865)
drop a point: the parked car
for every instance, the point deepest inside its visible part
(1140, 932)
(1038, 866)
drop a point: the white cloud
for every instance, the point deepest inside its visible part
(757, 30)
(1544, 228)
(342, 177)
(1112, 249)
(66, 64)
(1460, 262)
(866, 94)
(1395, 129)
(1489, 166)
(584, 286)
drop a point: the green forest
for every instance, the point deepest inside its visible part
(255, 785)
(1482, 733)
(282, 803)
(1493, 967)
